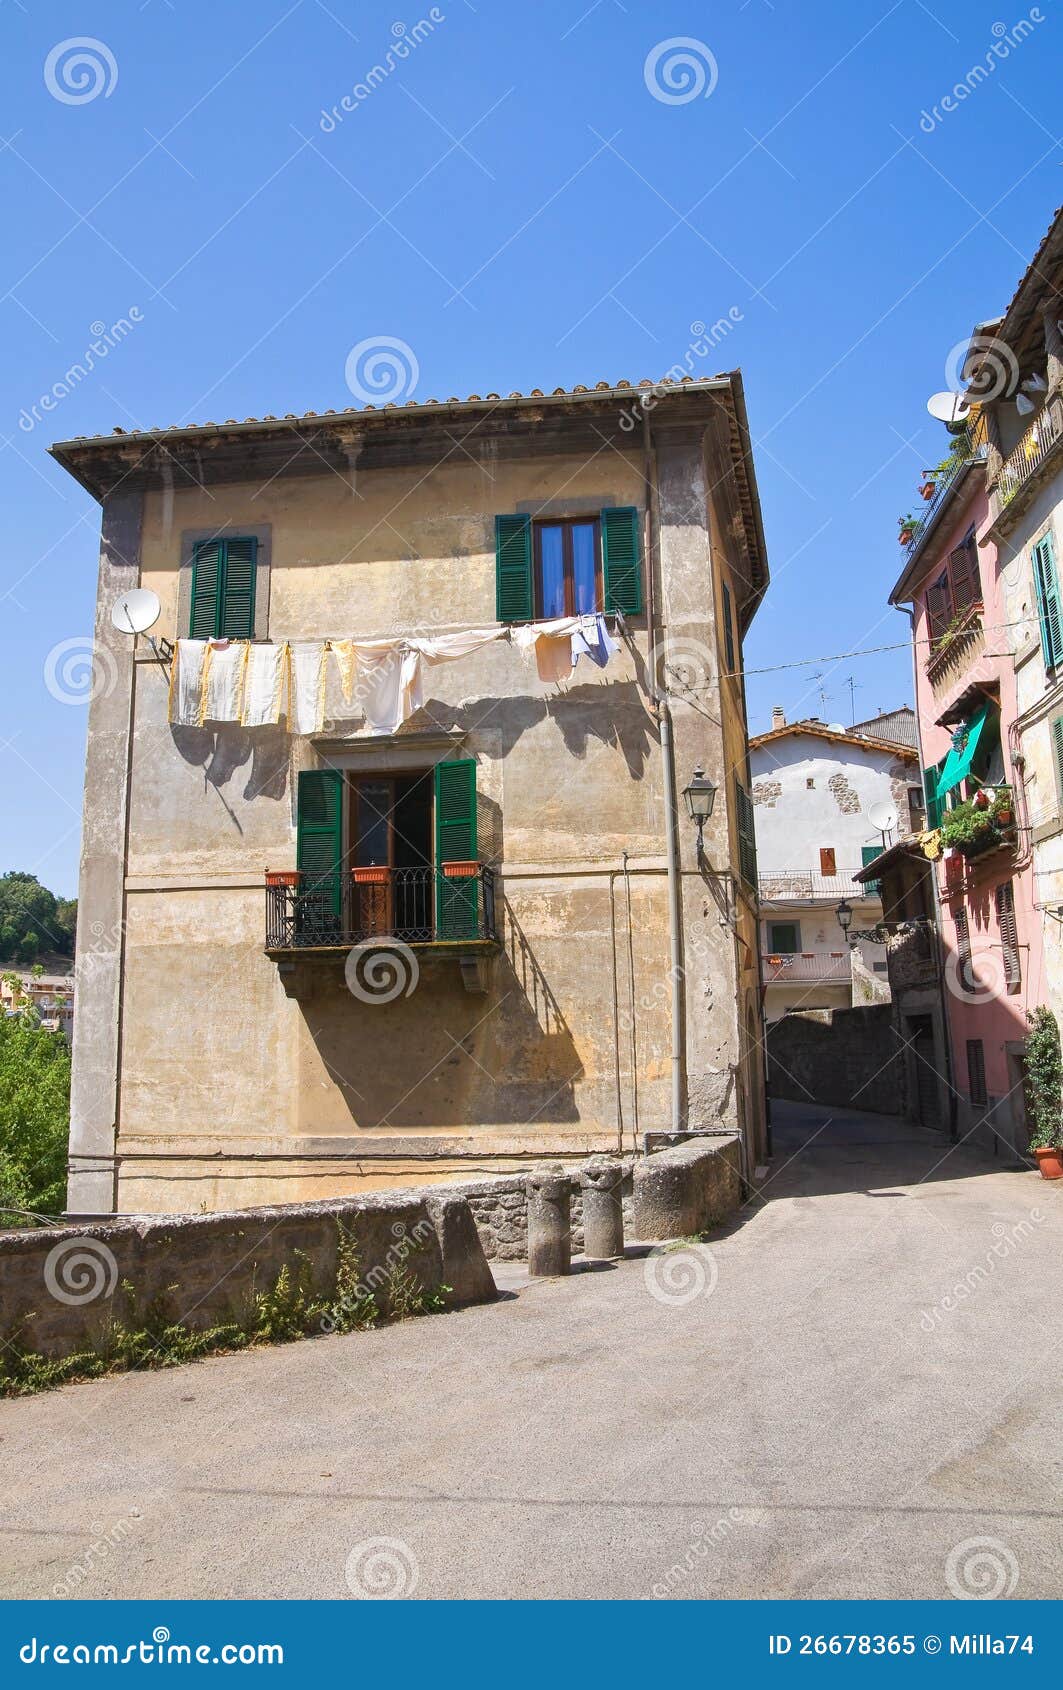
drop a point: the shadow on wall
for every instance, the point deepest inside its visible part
(222, 752)
(440, 1057)
(613, 714)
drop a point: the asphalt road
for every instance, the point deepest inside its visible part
(856, 1392)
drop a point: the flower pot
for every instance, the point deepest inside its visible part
(371, 876)
(981, 800)
(1049, 1161)
(928, 489)
(282, 877)
(461, 870)
(905, 535)
(1004, 818)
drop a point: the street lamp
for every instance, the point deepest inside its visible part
(844, 913)
(700, 795)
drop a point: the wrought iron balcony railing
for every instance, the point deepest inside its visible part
(417, 906)
(796, 886)
(792, 968)
(1032, 450)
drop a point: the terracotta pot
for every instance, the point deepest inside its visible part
(1049, 1162)
(372, 876)
(928, 489)
(461, 870)
(904, 536)
(1004, 818)
(283, 877)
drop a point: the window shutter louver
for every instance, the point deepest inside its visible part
(621, 560)
(964, 577)
(747, 844)
(868, 853)
(1048, 602)
(728, 628)
(514, 595)
(319, 837)
(1009, 936)
(238, 598)
(976, 1071)
(963, 951)
(206, 578)
(1057, 748)
(458, 900)
(938, 611)
(933, 802)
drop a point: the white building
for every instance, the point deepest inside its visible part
(814, 788)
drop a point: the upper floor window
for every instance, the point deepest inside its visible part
(1049, 609)
(567, 566)
(568, 572)
(223, 589)
(957, 588)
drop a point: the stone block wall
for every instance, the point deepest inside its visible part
(500, 1209)
(850, 1057)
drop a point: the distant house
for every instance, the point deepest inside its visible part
(51, 995)
(824, 796)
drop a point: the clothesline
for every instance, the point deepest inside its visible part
(382, 680)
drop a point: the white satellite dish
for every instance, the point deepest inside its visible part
(948, 407)
(136, 611)
(883, 815)
(835, 727)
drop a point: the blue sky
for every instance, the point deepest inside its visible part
(518, 206)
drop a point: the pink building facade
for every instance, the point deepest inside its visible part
(977, 893)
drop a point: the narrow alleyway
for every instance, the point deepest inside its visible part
(836, 1398)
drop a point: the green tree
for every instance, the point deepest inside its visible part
(33, 921)
(34, 1118)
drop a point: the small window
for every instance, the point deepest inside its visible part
(1009, 937)
(810, 785)
(976, 1071)
(728, 629)
(827, 863)
(916, 809)
(223, 589)
(784, 937)
(568, 570)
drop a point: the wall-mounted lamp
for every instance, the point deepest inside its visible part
(844, 913)
(700, 795)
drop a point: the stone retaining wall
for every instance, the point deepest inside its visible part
(500, 1209)
(688, 1189)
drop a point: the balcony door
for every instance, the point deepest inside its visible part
(391, 831)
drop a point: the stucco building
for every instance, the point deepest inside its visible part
(815, 785)
(508, 830)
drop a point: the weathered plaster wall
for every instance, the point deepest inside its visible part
(794, 821)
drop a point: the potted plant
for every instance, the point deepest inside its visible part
(463, 869)
(371, 874)
(908, 527)
(928, 488)
(282, 877)
(1044, 1091)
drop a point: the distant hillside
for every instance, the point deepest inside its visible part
(35, 925)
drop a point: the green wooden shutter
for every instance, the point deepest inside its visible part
(457, 901)
(934, 804)
(319, 841)
(728, 628)
(621, 560)
(514, 594)
(238, 596)
(1048, 602)
(747, 844)
(868, 853)
(1057, 747)
(207, 570)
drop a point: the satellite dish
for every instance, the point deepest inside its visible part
(835, 727)
(883, 815)
(948, 407)
(136, 611)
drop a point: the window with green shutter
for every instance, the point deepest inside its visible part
(1049, 609)
(457, 900)
(934, 804)
(622, 560)
(747, 844)
(868, 853)
(319, 845)
(728, 629)
(223, 589)
(1057, 753)
(514, 585)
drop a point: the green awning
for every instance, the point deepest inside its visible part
(957, 765)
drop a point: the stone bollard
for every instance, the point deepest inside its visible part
(601, 1182)
(549, 1230)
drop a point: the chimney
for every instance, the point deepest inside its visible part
(778, 717)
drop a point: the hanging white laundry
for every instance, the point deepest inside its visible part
(387, 683)
(444, 648)
(265, 684)
(592, 639)
(186, 683)
(552, 644)
(223, 686)
(307, 687)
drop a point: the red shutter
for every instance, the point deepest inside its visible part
(938, 611)
(963, 576)
(827, 863)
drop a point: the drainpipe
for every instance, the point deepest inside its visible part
(662, 716)
(910, 614)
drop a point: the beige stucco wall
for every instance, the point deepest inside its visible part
(220, 1067)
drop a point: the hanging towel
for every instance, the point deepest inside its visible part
(186, 683)
(444, 648)
(592, 639)
(388, 683)
(346, 655)
(552, 643)
(223, 686)
(265, 684)
(307, 687)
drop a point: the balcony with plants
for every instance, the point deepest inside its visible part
(981, 824)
